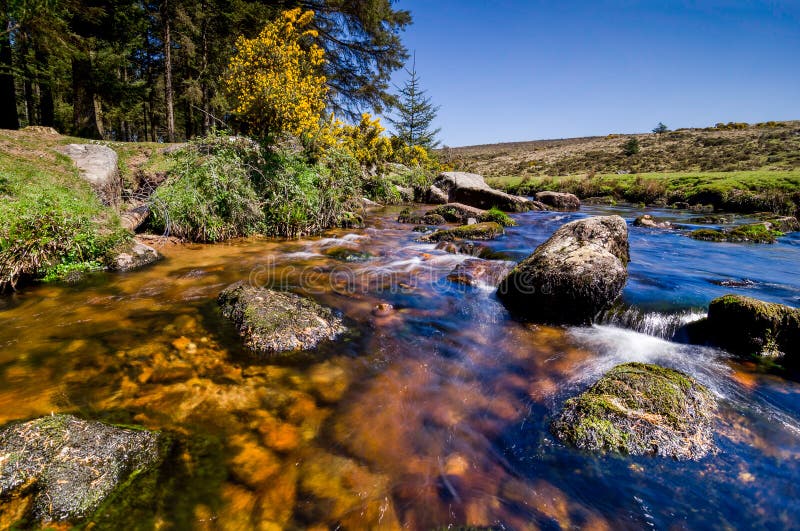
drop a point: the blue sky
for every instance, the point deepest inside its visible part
(522, 70)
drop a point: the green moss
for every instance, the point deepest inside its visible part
(498, 216)
(633, 407)
(755, 233)
(478, 231)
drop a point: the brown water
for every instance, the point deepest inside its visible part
(433, 415)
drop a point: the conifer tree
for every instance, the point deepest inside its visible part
(415, 114)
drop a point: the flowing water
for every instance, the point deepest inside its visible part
(434, 415)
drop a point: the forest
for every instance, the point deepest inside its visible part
(133, 70)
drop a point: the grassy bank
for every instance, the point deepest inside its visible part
(51, 222)
(738, 191)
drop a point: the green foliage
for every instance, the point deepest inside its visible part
(745, 191)
(631, 147)
(51, 223)
(222, 187)
(498, 216)
(210, 195)
(415, 114)
(660, 129)
(302, 198)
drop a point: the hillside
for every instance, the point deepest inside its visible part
(773, 146)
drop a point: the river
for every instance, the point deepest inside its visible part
(436, 414)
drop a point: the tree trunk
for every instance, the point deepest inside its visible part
(203, 74)
(85, 119)
(47, 111)
(8, 94)
(168, 93)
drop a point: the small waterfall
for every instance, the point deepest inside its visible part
(656, 324)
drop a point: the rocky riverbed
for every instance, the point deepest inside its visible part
(435, 408)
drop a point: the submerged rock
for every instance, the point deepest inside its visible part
(579, 271)
(750, 327)
(343, 493)
(272, 322)
(346, 254)
(136, 256)
(473, 272)
(477, 231)
(471, 189)
(63, 468)
(646, 220)
(559, 200)
(641, 409)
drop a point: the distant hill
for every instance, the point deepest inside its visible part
(773, 146)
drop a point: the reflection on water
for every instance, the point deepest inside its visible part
(434, 414)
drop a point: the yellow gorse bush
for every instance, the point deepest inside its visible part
(276, 78)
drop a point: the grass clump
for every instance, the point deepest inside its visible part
(51, 223)
(498, 216)
(222, 187)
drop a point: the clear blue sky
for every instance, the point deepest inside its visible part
(511, 70)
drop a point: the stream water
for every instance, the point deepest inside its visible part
(434, 415)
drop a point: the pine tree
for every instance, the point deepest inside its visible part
(415, 114)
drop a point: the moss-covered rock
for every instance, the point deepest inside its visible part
(59, 467)
(273, 322)
(780, 223)
(753, 232)
(579, 271)
(477, 231)
(498, 216)
(345, 254)
(712, 219)
(641, 409)
(429, 218)
(750, 327)
(458, 213)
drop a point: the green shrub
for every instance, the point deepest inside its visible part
(48, 239)
(631, 147)
(210, 194)
(300, 198)
(498, 216)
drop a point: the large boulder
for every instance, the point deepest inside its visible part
(472, 190)
(750, 327)
(433, 195)
(579, 271)
(63, 468)
(559, 201)
(641, 409)
(98, 165)
(273, 322)
(476, 231)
